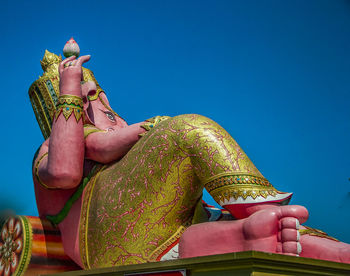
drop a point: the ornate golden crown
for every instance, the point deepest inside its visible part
(44, 92)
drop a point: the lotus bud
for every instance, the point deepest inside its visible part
(71, 48)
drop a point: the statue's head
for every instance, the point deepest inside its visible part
(44, 93)
(97, 110)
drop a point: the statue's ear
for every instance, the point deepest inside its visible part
(88, 113)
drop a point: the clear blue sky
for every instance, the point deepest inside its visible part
(275, 74)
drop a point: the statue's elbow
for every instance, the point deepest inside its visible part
(64, 179)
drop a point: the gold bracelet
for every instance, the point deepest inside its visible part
(36, 171)
(68, 104)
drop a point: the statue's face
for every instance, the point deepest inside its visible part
(96, 112)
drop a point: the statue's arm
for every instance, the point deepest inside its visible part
(61, 158)
(105, 147)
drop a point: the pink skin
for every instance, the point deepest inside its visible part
(105, 147)
(64, 166)
(266, 227)
(273, 229)
(324, 249)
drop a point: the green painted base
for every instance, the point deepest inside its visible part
(241, 263)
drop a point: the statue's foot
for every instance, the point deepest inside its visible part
(324, 248)
(271, 230)
(275, 230)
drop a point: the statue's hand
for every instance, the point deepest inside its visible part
(71, 75)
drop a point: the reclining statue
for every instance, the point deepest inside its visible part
(127, 194)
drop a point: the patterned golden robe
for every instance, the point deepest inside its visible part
(138, 207)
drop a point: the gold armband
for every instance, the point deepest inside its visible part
(36, 171)
(68, 104)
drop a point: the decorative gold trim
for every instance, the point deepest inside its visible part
(67, 111)
(39, 111)
(164, 246)
(96, 96)
(84, 220)
(44, 90)
(152, 122)
(71, 99)
(235, 178)
(147, 126)
(36, 170)
(316, 232)
(68, 104)
(241, 191)
(226, 186)
(49, 59)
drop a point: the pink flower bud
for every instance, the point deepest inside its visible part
(71, 48)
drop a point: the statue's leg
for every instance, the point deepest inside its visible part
(223, 167)
(138, 207)
(235, 183)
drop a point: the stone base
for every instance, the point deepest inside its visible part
(241, 263)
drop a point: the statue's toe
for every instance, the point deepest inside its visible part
(289, 222)
(294, 211)
(291, 248)
(289, 236)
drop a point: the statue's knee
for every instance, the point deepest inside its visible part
(192, 120)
